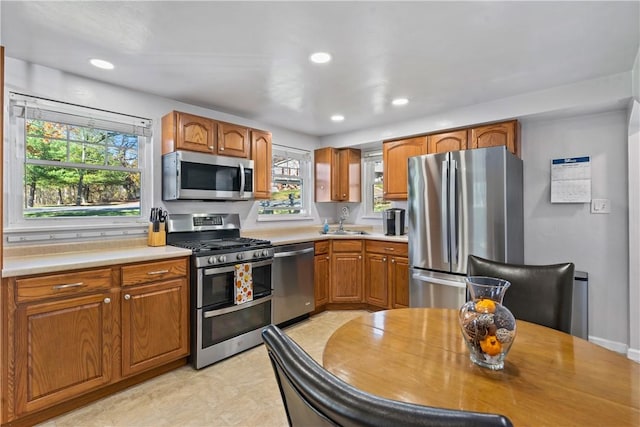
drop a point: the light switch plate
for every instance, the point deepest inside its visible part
(600, 206)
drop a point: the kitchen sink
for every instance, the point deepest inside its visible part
(346, 232)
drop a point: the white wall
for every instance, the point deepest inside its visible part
(49, 83)
(596, 243)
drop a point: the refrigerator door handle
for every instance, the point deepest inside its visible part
(443, 212)
(444, 282)
(453, 211)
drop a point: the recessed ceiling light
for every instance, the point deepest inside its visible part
(100, 63)
(400, 101)
(337, 117)
(320, 57)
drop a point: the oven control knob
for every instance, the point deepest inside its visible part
(240, 256)
(265, 252)
(212, 260)
(222, 258)
(257, 254)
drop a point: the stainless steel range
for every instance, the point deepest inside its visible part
(221, 324)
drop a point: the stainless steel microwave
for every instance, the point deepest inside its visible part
(188, 175)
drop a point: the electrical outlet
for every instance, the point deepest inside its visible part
(600, 206)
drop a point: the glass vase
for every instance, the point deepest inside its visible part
(488, 327)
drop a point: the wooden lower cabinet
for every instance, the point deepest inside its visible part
(72, 334)
(63, 349)
(321, 274)
(376, 283)
(155, 325)
(346, 271)
(399, 277)
(386, 274)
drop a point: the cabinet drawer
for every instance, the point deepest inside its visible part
(346, 245)
(321, 247)
(389, 248)
(153, 271)
(35, 288)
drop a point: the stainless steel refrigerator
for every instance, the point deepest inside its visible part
(460, 203)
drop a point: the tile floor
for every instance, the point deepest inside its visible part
(239, 391)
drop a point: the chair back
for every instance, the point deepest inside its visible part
(312, 396)
(541, 294)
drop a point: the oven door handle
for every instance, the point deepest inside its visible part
(231, 268)
(214, 313)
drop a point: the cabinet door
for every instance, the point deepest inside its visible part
(399, 281)
(349, 166)
(337, 188)
(495, 135)
(261, 156)
(321, 271)
(195, 133)
(376, 282)
(394, 163)
(63, 348)
(322, 174)
(233, 140)
(346, 277)
(448, 141)
(154, 325)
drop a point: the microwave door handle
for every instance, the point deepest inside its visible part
(241, 180)
(443, 211)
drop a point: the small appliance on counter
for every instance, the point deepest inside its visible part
(393, 222)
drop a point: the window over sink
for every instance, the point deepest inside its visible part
(372, 179)
(290, 185)
(74, 166)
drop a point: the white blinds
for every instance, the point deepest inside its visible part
(29, 107)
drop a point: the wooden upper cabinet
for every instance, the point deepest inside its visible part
(233, 140)
(448, 141)
(395, 155)
(505, 133)
(262, 158)
(322, 174)
(349, 182)
(337, 175)
(182, 131)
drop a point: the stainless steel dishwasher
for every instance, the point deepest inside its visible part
(292, 282)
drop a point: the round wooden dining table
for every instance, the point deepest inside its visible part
(550, 378)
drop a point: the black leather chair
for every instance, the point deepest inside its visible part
(312, 396)
(541, 294)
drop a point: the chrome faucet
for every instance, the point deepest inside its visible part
(340, 226)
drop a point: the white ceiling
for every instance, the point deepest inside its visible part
(251, 58)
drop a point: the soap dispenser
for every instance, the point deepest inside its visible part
(325, 227)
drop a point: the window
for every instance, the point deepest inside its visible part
(373, 178)
(290, 185)
(74, 163)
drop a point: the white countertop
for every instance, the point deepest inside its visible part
(284, 237)
(53, 258)
(52, 262)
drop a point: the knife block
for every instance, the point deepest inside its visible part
(157, 238)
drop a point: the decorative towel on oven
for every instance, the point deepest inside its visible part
(243, 290)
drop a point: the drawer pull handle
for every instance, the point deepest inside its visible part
(389, 249)
(152, 273)
(68, 285)
(127, 297)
